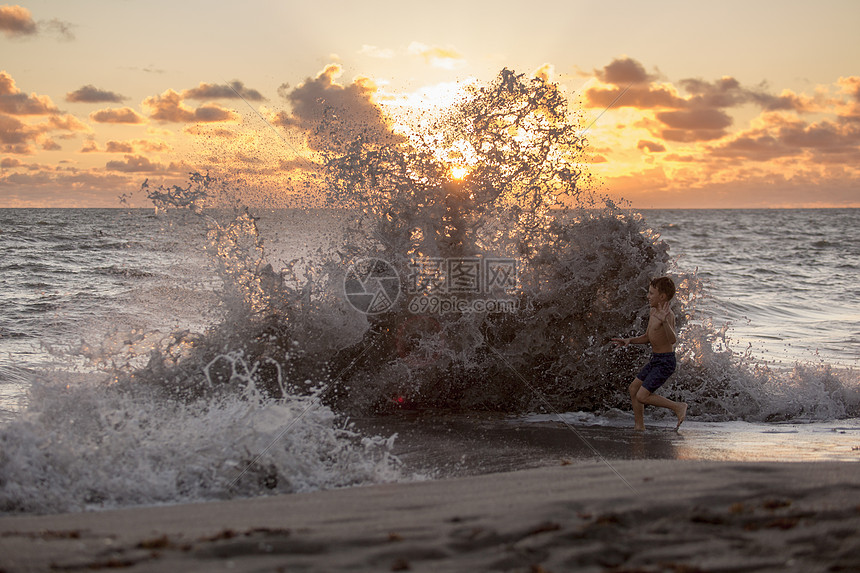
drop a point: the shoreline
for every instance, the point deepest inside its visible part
(684, 515)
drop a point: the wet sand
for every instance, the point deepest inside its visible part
(625, 515)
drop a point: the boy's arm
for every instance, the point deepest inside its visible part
(669, 329)
(667, 318)
(643, 339)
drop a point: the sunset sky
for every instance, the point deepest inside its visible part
(727, 104)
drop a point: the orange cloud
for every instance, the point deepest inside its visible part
(13, 132)
(702, 124)
(209, 132)
(624, 71)
(124, 115)
(168, 107)
(691, 152)
(546, 73)
(42, 185)
(17, 21)
(16, 136)
(15, 102)
(641, 97)
(119, 147)
(49, 144)
(139, 164)
(89, 146)
(438, 57)
(728, 92)
(781, 136)
(67, 122)
(233, 90)
(650, 146)
(126, 147)
(333, 114)
(92, 94)
(851, 86)
(631, 86)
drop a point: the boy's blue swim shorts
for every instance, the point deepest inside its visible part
(657, 371)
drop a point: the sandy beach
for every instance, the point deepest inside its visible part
(641, 515)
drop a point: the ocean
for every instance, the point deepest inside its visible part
(127, 377)
(442, 304)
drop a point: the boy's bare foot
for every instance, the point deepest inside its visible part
(681, 413)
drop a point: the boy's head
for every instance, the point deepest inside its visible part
(664, 285)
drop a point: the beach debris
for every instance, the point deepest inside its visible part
(162, 542)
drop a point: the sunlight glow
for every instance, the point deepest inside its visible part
(459, 171)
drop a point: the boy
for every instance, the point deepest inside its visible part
(661, 335)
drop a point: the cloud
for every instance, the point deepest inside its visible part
(728, 92)
(546, 73)
(124, 115)
(168, 107)
(206, 132)
(624, 71)
(284, 91)
(44, 185)
(334, 114)
(650, 146)
(14, 133)
(851, 86)
(725, 92)
(233, 90)
(17, 137)
(49, 144)
(137, 164)
(91, 94)
(10, 162)
(136, 146)
(17, 21)
(89, 146)
(15, 102)
(640, 97)
(151, 146)
(63, 30)
(788, 137)
(67, 122)
(438, 57)
(755, 145)
(119, 147)
(374, 52)
(629, 85)
(695, 109)
(698, 124)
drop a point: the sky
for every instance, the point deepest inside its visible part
(688, 104)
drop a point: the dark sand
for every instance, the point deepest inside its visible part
(637, 515)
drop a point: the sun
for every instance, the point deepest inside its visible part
(459, 171)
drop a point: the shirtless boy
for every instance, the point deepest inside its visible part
(661, 335)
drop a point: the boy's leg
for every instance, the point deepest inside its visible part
(646, 397)
(638, 407)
